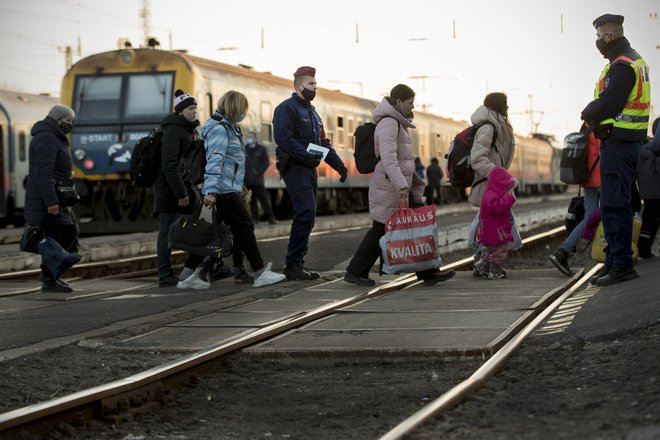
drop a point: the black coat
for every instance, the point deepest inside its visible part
(170, 187)
(49, 162)
(256, 164)
(434, 175)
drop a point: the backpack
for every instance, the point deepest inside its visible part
(573, 165)
(144, 166)
(365, 150)
(193, 160)
(459, 169)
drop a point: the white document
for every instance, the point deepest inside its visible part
(318, 149)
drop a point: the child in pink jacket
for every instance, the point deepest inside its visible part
(495, 223)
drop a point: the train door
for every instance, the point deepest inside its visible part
(4, 178)
(20, 168)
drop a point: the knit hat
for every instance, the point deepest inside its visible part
(182, 101)
(305, 71)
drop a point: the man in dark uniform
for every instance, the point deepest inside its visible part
(619, 115)
(297, 125)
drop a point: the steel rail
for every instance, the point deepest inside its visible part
(84, 402)
(469, 386)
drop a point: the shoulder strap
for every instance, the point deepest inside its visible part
(593, 167)
(492, 144)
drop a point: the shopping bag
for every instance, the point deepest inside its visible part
(410, 243)
(30, 239)
(599, 243)
(55, 257)
(199, 233)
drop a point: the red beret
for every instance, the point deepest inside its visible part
(305, 71)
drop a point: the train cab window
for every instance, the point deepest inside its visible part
(22, 146)
(266, 122)
(340, 131)
(148, 95)
(97, 98)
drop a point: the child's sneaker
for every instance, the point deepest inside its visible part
(480, 269)
(194, 281)
(266, 277)
(496, 274)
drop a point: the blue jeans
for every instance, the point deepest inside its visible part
(591, 200)
(163, 250)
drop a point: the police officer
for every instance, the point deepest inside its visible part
(619, 115)
(296, 126)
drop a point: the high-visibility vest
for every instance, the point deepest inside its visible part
(635, 114)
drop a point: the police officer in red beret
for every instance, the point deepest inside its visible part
(296, 126)
(619, 115)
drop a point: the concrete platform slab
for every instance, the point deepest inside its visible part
(235, 319)
(181, 338)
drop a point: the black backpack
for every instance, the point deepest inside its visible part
(193, 160)
(575, 212)
(459, 168)
(365, 150)
(144, 166)
(573, 165)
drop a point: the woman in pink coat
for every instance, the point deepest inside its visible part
(495, 223)
(394, 180)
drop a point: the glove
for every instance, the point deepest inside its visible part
(343, 172)
(313, 160)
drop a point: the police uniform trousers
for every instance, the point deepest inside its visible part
(618, 160)
(301, 184)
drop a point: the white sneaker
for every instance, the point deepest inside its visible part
(266, 277)
(185, 273)
(194, 281)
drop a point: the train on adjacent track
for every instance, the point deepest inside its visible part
(120, 96)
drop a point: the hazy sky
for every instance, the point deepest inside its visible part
(542, 49)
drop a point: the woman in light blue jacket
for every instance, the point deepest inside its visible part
(223, 186)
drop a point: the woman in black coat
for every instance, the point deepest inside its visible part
(50, 165)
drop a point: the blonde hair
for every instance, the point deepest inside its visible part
(233, 104)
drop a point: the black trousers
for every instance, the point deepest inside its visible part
(650, 223)
(260, 195)
(231, 210)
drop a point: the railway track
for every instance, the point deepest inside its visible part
(144, 391)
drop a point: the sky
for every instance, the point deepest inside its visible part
(542, 54)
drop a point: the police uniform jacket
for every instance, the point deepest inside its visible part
(618, 83)
(170, 187)
(296, 125)
(49, 162)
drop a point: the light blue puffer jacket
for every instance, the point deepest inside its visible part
(225, 156)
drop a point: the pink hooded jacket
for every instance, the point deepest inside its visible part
(495, 210)
(396, 168)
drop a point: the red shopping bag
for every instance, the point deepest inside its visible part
(410, 243)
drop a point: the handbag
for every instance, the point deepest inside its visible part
(55, 257)
(575, 212)
(30, 239)
(410, 243)
(66, 194)
(199, 233)
(600, 243)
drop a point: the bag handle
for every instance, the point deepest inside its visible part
(207, 214)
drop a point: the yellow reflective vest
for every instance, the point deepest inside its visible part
(635, 114)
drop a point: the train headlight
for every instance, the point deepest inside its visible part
(79, 154)
(88, 164)
(126, 56)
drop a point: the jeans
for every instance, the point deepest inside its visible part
(591, 200)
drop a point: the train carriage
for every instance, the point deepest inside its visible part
(119, 96)
(18, 113)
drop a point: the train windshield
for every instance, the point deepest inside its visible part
(128, 98)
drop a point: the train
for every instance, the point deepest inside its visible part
(119, 96)
(18, 113)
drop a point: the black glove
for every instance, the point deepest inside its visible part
(343, 172)
(313, 160)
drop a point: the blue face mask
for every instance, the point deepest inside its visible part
(249, 141)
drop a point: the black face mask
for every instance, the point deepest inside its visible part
(307, 94)
(601, 45)
(66, 127)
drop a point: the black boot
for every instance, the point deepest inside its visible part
(560, 259)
